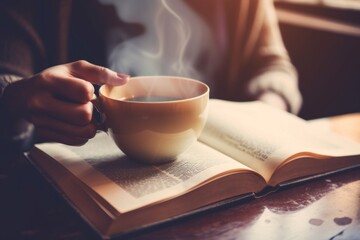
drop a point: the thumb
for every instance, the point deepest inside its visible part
(96, 74)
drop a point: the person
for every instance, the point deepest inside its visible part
(58, 101)
(53, 52)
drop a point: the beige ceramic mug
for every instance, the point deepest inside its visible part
(153, 119)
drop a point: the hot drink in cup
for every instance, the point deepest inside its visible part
(153, 119)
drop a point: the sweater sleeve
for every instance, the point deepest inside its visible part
(273, 70)
(21, 50)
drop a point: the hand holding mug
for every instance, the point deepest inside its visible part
(57, 101)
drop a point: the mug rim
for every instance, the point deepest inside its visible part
(206, 92)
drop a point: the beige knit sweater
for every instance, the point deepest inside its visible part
(36, 34)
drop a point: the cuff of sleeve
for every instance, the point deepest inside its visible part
(278, 82)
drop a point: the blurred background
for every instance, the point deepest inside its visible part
(323, 40)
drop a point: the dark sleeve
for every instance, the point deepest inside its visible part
(21, 55)
(21, 49)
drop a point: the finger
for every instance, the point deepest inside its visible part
(65, 87)
(96, 74)
(77, 114)
(72, 113)
(48, 135)
(88, 131)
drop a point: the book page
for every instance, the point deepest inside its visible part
(263, 137)
(127, 184)
(346, 125)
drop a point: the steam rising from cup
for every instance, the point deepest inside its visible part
(175, 39)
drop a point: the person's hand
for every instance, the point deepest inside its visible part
(274, 99)
(57, 101)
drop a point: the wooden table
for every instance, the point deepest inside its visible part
(326, 208)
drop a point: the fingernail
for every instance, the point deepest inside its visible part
(120, 79)
(123, 76)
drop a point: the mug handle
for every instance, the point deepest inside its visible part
(98, 116)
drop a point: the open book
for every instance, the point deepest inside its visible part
(244, 148)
